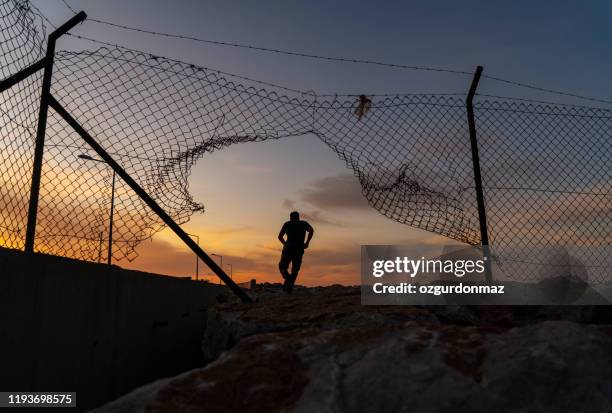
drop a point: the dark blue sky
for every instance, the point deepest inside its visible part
(555, 44)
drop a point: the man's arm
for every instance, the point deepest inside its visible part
(310, 230)
(281, 235)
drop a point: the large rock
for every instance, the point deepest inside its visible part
(321, 351)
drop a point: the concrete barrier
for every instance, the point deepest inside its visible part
(68, 325)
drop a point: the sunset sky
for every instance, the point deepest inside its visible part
(249, 189)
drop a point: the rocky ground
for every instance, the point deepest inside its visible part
(320, 350)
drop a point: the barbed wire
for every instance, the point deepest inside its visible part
(69, 7)
(155, 56)
(547, 90)
(323, 95)
(545, 102)
(36, 11)
(249, 79)
(283, 52)
(342, 59)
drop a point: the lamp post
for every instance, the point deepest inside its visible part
(221, 258)
(100, 248)
(112, 209)
(197, 258)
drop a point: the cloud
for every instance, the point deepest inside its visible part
(288, 203)
(335, 192)
(313, 216)
(316, 217)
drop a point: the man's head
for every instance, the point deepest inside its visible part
(294, 216)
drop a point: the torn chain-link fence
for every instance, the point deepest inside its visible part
(545, 167)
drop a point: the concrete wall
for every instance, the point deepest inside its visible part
(68, 325)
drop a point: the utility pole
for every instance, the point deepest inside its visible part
(109, 258)
(197, 271)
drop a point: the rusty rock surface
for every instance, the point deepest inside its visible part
(320, 350)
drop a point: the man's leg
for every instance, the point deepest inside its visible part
(283, 264)
(296, 263)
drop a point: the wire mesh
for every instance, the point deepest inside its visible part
(22, 43)
(545, 168)
(158, 117)
(548, 186)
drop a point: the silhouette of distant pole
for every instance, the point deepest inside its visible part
(231, 270)
(197, 258)
(221, 263)
(100, 247)
(109, 258)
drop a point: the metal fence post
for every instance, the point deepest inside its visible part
(22, 74)
(482, 214)
(42, 126)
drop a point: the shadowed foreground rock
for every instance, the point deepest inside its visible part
(321, 351)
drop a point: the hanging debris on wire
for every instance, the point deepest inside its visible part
(363, 106)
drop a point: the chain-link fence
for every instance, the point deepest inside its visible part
(21, 44)
(545, 168)
(547, 177)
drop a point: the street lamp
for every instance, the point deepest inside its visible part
(112, 209)
(197, 258)
(221, 257)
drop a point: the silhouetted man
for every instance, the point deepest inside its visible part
(293, 248)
